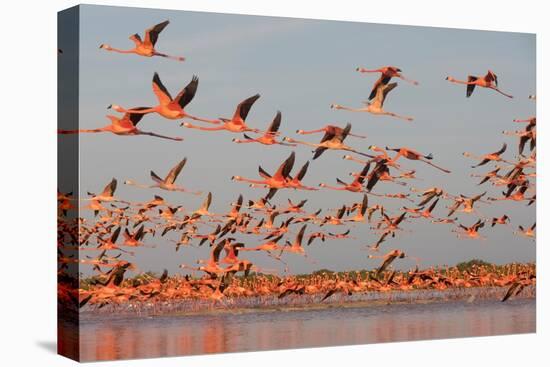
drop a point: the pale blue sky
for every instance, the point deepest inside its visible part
(300, 67)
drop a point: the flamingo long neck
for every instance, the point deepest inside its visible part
(453, 80)
(312, 131)
(131, 51)
(363, 70)
(352, 109)
(305, 143)
(144, 111)
(259, 182)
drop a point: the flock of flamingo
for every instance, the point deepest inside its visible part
(120, 227)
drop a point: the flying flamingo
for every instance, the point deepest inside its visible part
(278, 180)
(386, 73)
(429, 194)
(331, 140)
(466, 202)
(269, 136)
(168, 107)
(145, 47)
(168, 182)
(415, 156)
(527, 232)
(501, 220)
(388, 259)
(360, 209)
(107, 194)
(296, 181)
(203, 210)
(296, 246)
(490, 81)
(237, 123)
(491, 157)
(421, 212)
(471, 232)
(133, 239)
(211, 266)
(329, 129)
(518, 195)
(487, 176)
(376, 107)
(516, 288)
(355, 186)
(125, 126)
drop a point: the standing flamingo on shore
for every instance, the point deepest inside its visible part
(125, 126)
(145, 47)
(168, 107)
(490, 81)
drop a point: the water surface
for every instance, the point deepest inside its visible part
(239, 332)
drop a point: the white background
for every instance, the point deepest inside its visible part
(28, 159)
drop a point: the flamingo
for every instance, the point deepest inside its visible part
(168, 107)
(355, 186)
(527, 135)
(515, 289)
(133, 239)
(527, 232)
(145, 47)
(489, 175)
(360, 209)
(518, 195)
(124, 126)
(388, 259)
(211, 266)
(501, 220)
(415, 156)
(423, 213)
(429, 194)
(490, 81)
(107, 194)
(336, 220)
(392, 224)
(237, 124)
(491, 157)
(296, 181)
(331, 140)
(278, 180)
(296, 246)
(467, 202)
(471, 232)
(376, 107)
(386, 73)
(269, 246)
(168, 182)
(269, 136)
(331, 130)
(203, 210)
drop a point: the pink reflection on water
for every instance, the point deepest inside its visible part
(165, 336)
